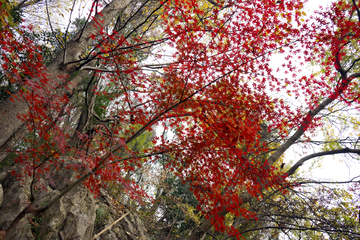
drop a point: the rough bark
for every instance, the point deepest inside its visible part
(59, 69)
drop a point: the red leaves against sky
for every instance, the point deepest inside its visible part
(215, 97)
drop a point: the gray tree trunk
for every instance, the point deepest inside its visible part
(60, 66)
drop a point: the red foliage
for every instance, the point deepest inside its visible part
(216, 94)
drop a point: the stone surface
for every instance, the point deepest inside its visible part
(76, 216)
(129, 228)
(1, 194)
(15, 198)
(73, 216)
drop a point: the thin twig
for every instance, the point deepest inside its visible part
(52, 30)
(67, 30)
(108, 227)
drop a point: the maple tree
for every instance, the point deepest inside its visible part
(102, 92)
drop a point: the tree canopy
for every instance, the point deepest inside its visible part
(188, 88)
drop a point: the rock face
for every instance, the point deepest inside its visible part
(76, 216)
(129, 228)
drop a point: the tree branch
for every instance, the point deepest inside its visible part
(310, 116)
(108, 227)
(319, 154)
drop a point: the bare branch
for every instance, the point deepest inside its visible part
(108, 227)
(319, 154)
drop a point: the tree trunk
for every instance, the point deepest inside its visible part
(59, 69)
